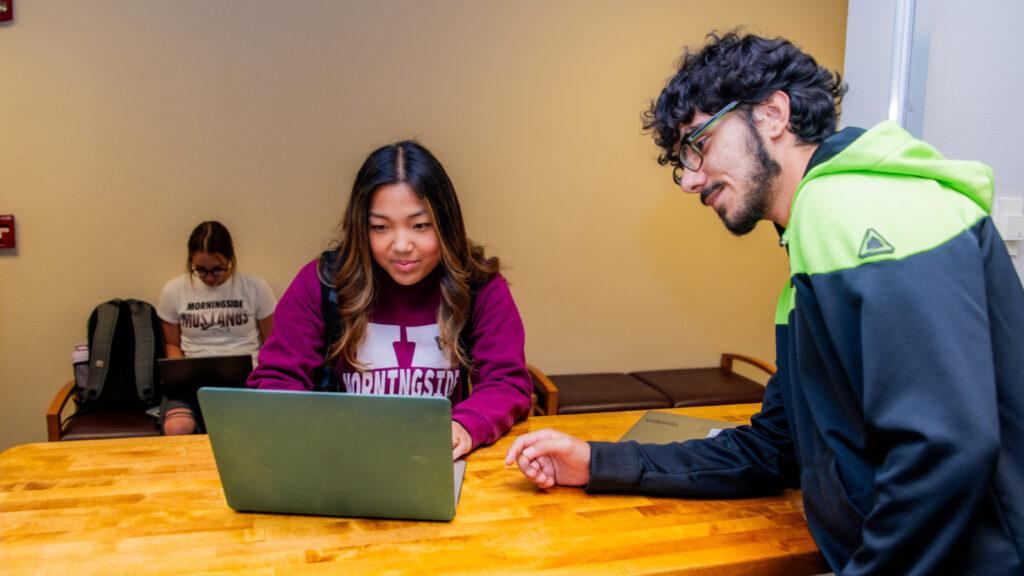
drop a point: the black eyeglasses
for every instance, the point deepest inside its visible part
(215, 272)
(690, 156)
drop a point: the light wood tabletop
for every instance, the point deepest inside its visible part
(155, 506)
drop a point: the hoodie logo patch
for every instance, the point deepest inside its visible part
(874, 245)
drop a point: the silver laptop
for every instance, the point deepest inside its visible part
(333, 454)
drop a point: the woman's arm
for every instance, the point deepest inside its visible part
(172, 340)
(265, 304)
(294, 348)
(501, 383)
(265, 325)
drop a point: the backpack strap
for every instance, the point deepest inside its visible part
(465, 344)
(145, 346)
(324, 377)
(99, 352)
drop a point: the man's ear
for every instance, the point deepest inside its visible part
(772, 115)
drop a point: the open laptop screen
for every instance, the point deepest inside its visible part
(334, 454)
(184, 376)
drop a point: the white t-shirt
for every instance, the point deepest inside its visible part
(218, 320)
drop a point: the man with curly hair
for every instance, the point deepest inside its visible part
(898, 404)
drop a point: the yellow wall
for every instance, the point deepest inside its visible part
(124, 123)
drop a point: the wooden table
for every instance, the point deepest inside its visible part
(155, 506)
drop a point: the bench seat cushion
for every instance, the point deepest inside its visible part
(702, 386)
(605, 392)
(114, 423)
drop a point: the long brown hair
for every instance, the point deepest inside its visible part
(464, 266)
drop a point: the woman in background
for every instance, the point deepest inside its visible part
(419, 308)
(212, 310)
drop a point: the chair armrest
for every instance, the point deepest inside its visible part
(545, 391)
(53, 423)
(727, 359)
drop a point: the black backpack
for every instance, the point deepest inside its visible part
(324, 377)
(125, 340)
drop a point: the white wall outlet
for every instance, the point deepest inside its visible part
(1007, 215)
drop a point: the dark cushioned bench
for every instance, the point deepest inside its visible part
(605, 392)
(609, 392)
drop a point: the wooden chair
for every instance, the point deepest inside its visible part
(545, 395)
(108, 423)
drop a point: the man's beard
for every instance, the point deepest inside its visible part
(754, 206)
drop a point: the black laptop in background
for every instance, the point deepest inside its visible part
(185, 376)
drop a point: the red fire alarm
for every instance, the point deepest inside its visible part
(6, 231)
(6, 10)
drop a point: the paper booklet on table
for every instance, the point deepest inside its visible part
(656, 427)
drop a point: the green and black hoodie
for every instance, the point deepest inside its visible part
(898, 406)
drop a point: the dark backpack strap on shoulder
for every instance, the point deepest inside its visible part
(145, 348)
(325, 378)
(465, 344)
(102, 336)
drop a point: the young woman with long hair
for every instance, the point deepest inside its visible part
(406, 304)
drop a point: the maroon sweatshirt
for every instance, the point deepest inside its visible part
(401, 351)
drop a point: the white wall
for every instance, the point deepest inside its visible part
(974, 95)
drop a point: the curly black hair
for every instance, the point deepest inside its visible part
(747, 68)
